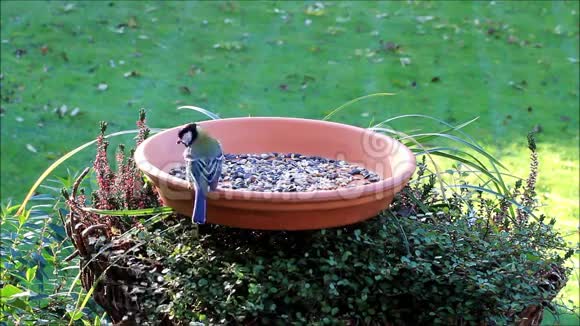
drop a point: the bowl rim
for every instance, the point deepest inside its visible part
(384, 185)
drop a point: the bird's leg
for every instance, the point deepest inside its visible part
(195, 231)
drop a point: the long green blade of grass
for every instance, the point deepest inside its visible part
(463, 142)
(205, 112)
(423, 116)
(401, 134)
(446, 131)
(130, 212)
(476, 164)
(338, 109)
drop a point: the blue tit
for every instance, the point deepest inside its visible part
(203, 165)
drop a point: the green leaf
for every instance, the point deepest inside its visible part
(531, 257)
(20, 304)
(9, 290)
(131, 212)
(75, 315)
(22, 218)
(31, 273)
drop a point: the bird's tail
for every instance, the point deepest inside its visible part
(199, 206)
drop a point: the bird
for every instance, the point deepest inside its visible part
(203, 157)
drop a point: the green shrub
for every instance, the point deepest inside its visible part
(38, 284)
(429, 260)
(391, 268)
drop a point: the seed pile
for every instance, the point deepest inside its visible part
(276, 172)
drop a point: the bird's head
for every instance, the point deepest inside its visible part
(187, 134)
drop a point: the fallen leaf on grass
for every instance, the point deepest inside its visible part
(132, 23)
(334, 30)
(390, 46)
(316, 9)
(405, 61)
(68, 7)
(149, 9)
(194, 70)
(229, 7)
(520, 86)
(424, 19)
(512, 39)
(184, 90)
(132, 73)
(120, 29)
(75, 112)
(229, 46)
(44, 49)
(61, 111)
(102, 87)
(367, 53)
(435, 79)
(31, 148)
(19, 53)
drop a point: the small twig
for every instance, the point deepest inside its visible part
(73, 255)
(78, 181)
(86, 232)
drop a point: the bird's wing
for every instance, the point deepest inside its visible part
(207, 171)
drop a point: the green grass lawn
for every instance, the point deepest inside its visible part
(513, 64)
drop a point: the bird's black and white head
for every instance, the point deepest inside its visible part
(187, 134)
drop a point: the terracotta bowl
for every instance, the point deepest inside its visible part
(290, 210)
